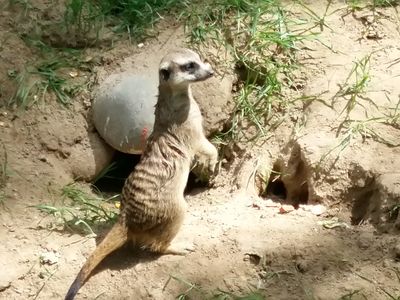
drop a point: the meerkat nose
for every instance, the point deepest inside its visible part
(209, 69)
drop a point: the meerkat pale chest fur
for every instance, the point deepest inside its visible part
(152, 203)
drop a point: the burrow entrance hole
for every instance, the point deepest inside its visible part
(291, 190)
(112, 178)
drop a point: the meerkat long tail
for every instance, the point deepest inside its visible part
(115, 239)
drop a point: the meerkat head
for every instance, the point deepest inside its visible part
(181, 67)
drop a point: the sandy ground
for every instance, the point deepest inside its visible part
(242, 240)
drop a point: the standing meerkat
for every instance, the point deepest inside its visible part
(152, 203)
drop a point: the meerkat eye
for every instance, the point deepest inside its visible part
(189, 67)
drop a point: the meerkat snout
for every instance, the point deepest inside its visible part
(204, 72)
(209, 69)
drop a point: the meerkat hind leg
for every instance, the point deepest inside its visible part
(182, 248)
(160, 240)
(168, 248)
(164, 244)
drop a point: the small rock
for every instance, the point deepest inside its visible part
(49, 258)
(270, 203)
(65, 153)
(73, 74)
(87, 162)
(32, 294)
(318, 209)
(397, 223)
(397, 251)
(284, 209)
(4, 285)
(140, 45)
(302, 265)
(387, 263)
(314, 209)
(370, 19)
(88, 59)
(363, 244)
(252, 258)
(42, 158)
(374, 35)
(333, 223)
(87, 103)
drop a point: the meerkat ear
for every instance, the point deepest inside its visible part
(164, 74)
(165, 71)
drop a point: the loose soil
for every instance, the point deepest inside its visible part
(245, 240)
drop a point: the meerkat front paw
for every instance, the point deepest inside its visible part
(207, 163)
(212, 161)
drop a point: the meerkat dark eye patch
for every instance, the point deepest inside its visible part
(190, 67)
(164, 74)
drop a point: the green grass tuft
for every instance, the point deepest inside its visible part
(319, 21)
(4, 174)
(258, 37)
(51, 74)
(80, 212)
(222, 295)
(360, 4)
(354, 87)
(353, 93)
(134, 16)
(350, 295)
(385, 3)
(193, 289)
(355, 5)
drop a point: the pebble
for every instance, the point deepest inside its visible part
(397, 251)
(302, 265)
(314, 209)
(49, 258)
(4, 285)
(387, 263)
